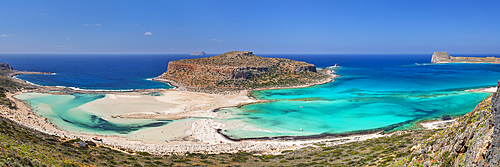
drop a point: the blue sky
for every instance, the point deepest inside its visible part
(264, 27)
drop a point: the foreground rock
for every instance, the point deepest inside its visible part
(443, 57)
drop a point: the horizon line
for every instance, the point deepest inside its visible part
(134, 53)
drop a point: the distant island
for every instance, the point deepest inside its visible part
(443, 57)
(240, 70)
(200, 53)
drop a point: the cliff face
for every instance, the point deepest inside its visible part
(439, 57)
(472, 140)
(239, 70)
(443, 57)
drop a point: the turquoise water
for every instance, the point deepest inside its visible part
(65, 112)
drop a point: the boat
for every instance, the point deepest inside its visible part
(97, 139)
(301, 106)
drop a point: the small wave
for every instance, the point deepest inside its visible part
(31, 83)
(424, 64)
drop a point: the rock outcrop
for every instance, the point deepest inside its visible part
(200, 53)
(443, 57)
(472, 140)
(240, 70)
(5, 66)
(492, 155)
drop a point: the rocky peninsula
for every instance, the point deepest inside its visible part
(242, 70)
(443, 57)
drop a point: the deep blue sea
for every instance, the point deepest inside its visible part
(373, 92)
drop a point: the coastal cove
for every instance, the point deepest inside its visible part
(389, 96)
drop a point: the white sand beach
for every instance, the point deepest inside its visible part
(172, 105)
(436, 124)
(487, 90)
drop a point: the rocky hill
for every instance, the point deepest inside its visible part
(241, 70)
(200, 53)
(443, 57)
(473, 140)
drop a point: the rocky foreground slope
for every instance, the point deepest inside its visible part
(240, 70)
(443, 57)
(473, 140)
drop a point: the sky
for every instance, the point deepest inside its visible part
(264, 27)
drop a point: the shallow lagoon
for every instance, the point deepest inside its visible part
(65, 113)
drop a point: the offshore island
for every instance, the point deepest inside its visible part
(443, 57)
(206, 84)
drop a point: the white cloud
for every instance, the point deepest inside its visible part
(148, 33)
(42, 14)
(96, 24)
(67, 38)
(5, 35)
(216, 39)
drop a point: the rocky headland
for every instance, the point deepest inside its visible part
(443, 57)
(239, 70)
(5, 66)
